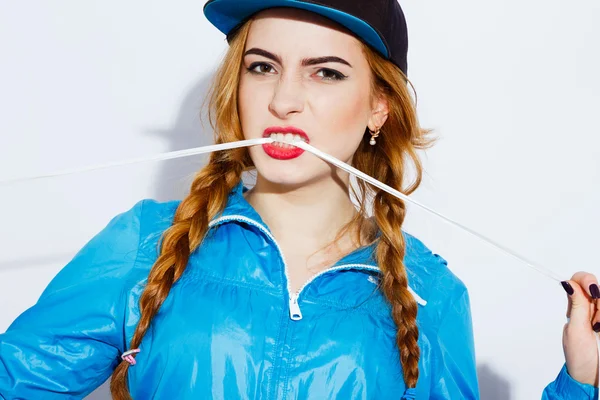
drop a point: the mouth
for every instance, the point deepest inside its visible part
(290, 134)
(284, 151)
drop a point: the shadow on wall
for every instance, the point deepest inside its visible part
(491, 385)
(190, 129)
(102, 393)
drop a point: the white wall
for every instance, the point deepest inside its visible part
(512, 88)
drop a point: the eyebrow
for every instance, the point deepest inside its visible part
(305, 61)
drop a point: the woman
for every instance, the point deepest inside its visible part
(286, 290)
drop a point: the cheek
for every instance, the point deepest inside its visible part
(252, 103)
(343, 118)
(244, 106)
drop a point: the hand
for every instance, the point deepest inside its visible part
(579, 336)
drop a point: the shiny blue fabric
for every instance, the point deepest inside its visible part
(225, 330)
(564, 387)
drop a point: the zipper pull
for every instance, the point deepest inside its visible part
(295, 313)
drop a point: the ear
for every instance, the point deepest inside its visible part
(379, 113)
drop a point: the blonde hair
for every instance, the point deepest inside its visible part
(397, 144)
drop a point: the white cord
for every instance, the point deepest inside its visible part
(305, 146)
(157, 157)
(545, 271)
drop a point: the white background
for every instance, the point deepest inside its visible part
(512, 89)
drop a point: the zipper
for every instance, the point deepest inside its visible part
(295, 313)
(294, 307)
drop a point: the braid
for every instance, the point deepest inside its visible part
(207, 198)
(389, 213)
(386, 163)
(389, 161)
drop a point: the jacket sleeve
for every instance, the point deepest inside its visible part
(70, 341)
(566, 388)
(454, 370)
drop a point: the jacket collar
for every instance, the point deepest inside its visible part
(364, 257)
(238, 206)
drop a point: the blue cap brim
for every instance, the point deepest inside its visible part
(228, 14)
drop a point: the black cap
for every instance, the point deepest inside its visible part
(378, 23)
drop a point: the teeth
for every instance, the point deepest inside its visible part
(286, 137)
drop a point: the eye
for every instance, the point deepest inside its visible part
(332, 75)
(263, 68)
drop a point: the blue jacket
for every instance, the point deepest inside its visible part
(230, 330)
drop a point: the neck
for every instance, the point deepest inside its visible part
(310, 213)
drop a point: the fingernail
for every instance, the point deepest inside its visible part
(595, 291)
(596, 327)
(567, 288)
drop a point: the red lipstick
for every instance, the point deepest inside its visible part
(278, 152)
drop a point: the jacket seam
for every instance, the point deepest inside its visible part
(445, 313)
(435, 356)
(137, 254)
(369, 310)
(126, 292)
(232, 282)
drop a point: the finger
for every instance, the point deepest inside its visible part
(569, 306)
(589, 282)
(596, 319)
(569, 289)
(579, 310)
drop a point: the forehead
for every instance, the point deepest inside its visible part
(293, 31)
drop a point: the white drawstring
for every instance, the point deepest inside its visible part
(542, 270)
(305, 146)
(157, 157)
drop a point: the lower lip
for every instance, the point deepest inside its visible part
(281, 153)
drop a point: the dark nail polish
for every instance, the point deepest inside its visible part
(595, 291)
(568, 288)
(596, 327)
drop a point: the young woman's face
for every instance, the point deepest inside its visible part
(302, 74)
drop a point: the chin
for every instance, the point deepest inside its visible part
(289, 173)
(283, 175)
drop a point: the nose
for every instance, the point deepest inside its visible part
(288, 97)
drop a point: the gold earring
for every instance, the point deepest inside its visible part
(372, 142)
